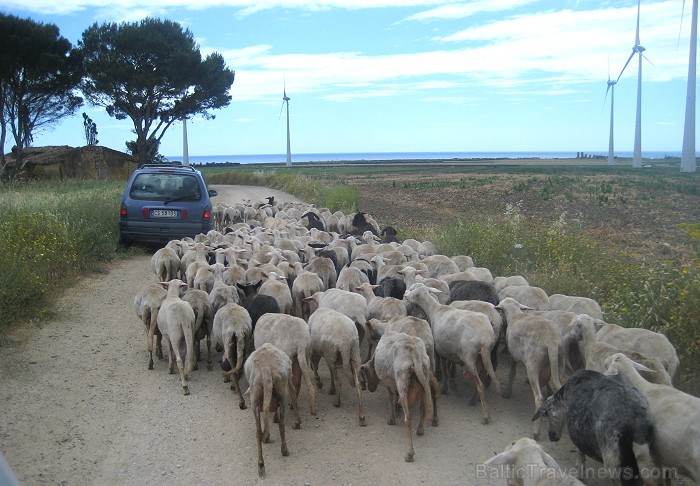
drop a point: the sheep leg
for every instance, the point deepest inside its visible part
(159, 345)
(209, 360)
(482, 395)
(149, 345)
(315, 358)
(180, 366)
(392, 407)
(301, 366)
(508, 392)
(409, 427)
(283, 437)
(445, 374)
(435, 391)
(490, 369)
(295, 406)
(356, 375)
(241, 400)
(258, 439)
(335, 382)
(534, 379)
(171, 361)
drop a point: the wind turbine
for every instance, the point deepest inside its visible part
(637, 49)
(688, 163)
(611, 89)
(285, 99)
(185, 149)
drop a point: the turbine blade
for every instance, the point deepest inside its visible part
(680, 27)
(281, 108)
(625, 66)
(645, 57)
(605, 100)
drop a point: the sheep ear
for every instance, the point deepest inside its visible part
(433, 290)
(641, 367)
(549, 461)
(542, 411)
(502, 459)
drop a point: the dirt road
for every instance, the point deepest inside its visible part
(78, 406)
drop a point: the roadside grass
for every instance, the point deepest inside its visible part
(50, 233)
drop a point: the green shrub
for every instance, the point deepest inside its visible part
(49, 233)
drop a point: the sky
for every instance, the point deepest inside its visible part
(410, 75)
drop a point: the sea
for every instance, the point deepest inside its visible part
(360, 156)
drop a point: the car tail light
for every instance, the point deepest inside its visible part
(207, 214)
(183, 214)
(146, 212)
(122, 211)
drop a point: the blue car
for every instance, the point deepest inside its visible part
(162, 202)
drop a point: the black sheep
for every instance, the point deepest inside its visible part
(392, 287)
(473, 290)
(607, 420)
(388, 235)
(314, 221)
(360, 225)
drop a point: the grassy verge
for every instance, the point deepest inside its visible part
(49, 234)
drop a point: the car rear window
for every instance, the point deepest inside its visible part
(165, 187)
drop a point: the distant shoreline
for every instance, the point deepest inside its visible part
(418, 157)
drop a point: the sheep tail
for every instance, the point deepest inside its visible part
(240, 350)
(424, 380)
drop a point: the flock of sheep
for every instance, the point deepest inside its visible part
(277, 287)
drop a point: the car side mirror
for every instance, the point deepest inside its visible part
(213, 193)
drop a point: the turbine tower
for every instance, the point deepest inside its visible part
(185, 149)
(688, 162)
(611, 89)
(285, 99)
(637, 49)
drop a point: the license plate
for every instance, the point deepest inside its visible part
(164, 213)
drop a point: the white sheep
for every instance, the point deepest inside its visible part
(233, 330)
(350, 278)
(325, 269)
(461, 337)
(439, 265)
(676, 416)
(463, 262)
(268, 371)
(176, 321)
(402, 364)
(305, 285)
(276, 286)
(411, 325)
(350, 304)
(147, 304)
(576, 304)
(525, 463)
(204, 318)
(165, 263)
(596, 352)
(381, 307)
(532, 297)
(485, 308)
(290, 334)
(334, 337)
(644, 341)
(501, 282)
(537, 343)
